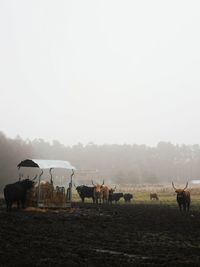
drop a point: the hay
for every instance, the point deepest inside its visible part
(48, 195)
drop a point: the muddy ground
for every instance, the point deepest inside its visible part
(87, 235)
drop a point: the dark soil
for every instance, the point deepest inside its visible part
(87, 235)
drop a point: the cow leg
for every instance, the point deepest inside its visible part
(6, 205)
(9, 206)
(18, 204)
(184, 207)
(188, 206)
(82, 199)
(180, 207)
(23, 204)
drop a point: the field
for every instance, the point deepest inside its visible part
(144, 233)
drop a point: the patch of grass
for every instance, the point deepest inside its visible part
(143, 197)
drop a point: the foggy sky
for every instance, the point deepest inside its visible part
(100, 71)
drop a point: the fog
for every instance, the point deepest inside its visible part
(108, 72)
(115, 164)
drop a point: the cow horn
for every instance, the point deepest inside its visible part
(174, 186)
(102, 183)
(92, 183)
(186, 186)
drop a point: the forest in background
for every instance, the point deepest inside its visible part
(119, 164)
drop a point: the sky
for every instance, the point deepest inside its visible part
(107, 72)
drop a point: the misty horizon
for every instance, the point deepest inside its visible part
(120, 164)
(27, 139)
(93, 143)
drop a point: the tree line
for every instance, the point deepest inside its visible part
(119, 164)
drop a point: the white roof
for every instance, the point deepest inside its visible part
(46, 164)
(195, 181)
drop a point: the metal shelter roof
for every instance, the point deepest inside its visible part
(195, 181)
(46, 164)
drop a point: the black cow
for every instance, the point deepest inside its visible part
(183, 198)
(115, 197)
(111, 192)
(85, 192)
(17, 192)
(128, 197)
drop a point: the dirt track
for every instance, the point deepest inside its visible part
(118, 235)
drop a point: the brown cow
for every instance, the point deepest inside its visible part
(104, 193)
(154, 196)
(97, 192)
(182, 197)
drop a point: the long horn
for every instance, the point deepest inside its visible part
(186, 186)
(92, 183)
(174, 186)
(103, 183)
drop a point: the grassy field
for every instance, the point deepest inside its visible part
(142, 196)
